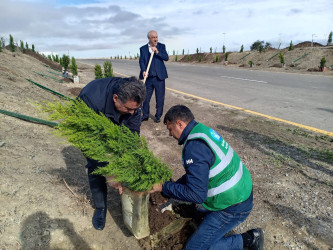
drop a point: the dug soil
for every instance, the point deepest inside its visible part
(45, 197)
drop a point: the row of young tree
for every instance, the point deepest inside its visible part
(65, 62)
(108, 71)
(256, 46)
(15, 46)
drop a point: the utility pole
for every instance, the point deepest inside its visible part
(313, 35)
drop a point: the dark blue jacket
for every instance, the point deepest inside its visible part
(98, 95)
(197, 159)
(157, 62)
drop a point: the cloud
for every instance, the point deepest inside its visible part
(121, 26)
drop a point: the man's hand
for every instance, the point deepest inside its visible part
(144, 73)
(114, 184)
(154, 49)
(156, 188)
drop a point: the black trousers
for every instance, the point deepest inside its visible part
(97, 183)
(153, 83)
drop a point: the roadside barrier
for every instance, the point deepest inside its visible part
(272, 56)
(50, 90)
(300, 57)
(245, 56)
(71, 78)
(53, 78)
(29, 118)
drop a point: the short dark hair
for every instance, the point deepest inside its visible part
(130, 89)
(178, 112)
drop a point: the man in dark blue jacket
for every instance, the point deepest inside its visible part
(156, 75)
(120, 100)
(216, 180)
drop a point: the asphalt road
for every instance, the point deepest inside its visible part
(301, 98)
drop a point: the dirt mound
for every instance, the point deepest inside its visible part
(303, 58)
(307, 44)
(39, 57)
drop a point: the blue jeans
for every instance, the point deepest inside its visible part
(216, 224)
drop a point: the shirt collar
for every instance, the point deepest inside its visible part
(187, 131)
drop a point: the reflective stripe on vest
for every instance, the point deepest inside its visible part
(229, 180)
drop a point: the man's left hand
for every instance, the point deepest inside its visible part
(156, 188)
(154, 50)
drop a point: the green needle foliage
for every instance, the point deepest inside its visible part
(65, 62)
(127, 154)
(108, 71)
(281, 57)
(11, 43)
(98, 72)
(73, 66)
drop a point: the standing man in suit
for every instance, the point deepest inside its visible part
(156, 75)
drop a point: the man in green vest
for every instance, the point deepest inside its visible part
(216, 180)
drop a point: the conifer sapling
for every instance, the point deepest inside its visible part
(127, 155)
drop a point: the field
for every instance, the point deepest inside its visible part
(44, 193)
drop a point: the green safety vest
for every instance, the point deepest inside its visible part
(230, 182)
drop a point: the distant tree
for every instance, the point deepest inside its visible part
(281, 57)
(26, 45)
(329, 41)
(268, 45)
(291, 46)
(73, 66)
(242, 48)
(173, 52)
(226, 56)
(2, 44)
(188, 58)
(33, 49)
(199, 59)
(65, 61)
(183, 51)
(53, 58)
(323, 62)
(261, 48)
(98, 72)
(256, 44)
(11, 43)
(197, 50)
(176, 58)
(108, 71)
(56, 57)
(211, 50)
(223, 49)
(49, 57)
(22, 46)
(217, 58)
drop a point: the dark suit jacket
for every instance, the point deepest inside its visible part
(98, 95)
(158, 60)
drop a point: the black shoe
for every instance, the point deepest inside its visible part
(99, 218)
(258, 239)
(143, 119)
(157, 120)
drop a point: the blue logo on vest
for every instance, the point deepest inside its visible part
(215, 135)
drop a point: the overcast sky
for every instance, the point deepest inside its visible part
(104, 28)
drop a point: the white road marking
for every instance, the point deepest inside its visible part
(242, 79)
